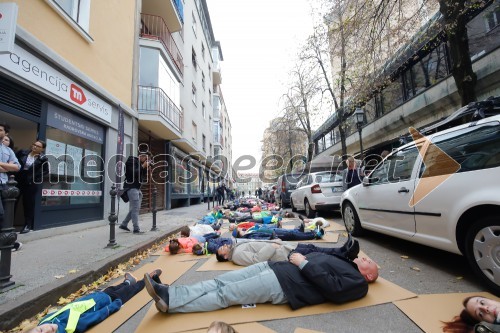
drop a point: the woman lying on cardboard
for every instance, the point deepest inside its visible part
(480, 314)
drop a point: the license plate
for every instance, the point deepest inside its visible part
(337, 189)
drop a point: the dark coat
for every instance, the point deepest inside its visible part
(35, 173)
(324, 278)
(135, 174)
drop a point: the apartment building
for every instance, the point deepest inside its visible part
(422, 90)
(68, 82)
(179, 102)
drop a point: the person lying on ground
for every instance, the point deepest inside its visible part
(201, 231)
(477, 309)
(193, 245)
(248, 253)
(299, 282)
(90, 310)
(273, 232)
(313, 223)
(220, 327)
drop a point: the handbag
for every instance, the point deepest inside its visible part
(124, 195)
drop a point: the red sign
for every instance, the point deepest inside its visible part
(76, 94)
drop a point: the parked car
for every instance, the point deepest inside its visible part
(451, 202)
(318, 191)
(286, 184)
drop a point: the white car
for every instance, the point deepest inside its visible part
(317, 191)
(442, 191)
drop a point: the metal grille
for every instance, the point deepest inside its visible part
(14, 97)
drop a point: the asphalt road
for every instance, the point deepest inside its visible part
(422, 270)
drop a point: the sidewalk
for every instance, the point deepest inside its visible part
(41, 269)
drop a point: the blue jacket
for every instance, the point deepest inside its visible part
(85, 318)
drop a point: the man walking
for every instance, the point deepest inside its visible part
(136, 173)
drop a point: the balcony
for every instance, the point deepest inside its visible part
(158, 113)
(171, 11)
(216, 74)
(153, 27)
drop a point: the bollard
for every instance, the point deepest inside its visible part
(208, 198)
(112, 217)
(8, 235)
(154, 210)
(213, 198)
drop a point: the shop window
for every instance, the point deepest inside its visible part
(75, 12)
(75, 153)
(194, 179)
(180, 176)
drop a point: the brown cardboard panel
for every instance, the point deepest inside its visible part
(245, 328)
(381, 291)
(427, 311)
(171, 272)
(303, 330)
(328, 237)
(213, 265)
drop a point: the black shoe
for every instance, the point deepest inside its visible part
(159, 293)
(124, 227)
(25, 230)
(351, 248)
(138, 232)
(301, 217)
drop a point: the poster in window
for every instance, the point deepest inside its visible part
(73, 159)
(55, 152)
(91, 163)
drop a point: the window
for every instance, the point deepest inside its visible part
(193, 58)
(209, 72)
(203, 111)
(204, 142)
(203, 80)
(193, 90)
(430, 69)
(76, 13)
(397, 167)
(194, 26)
(202, 51)
(210, 151)
(492, 19)
(194, 132)
(392, 95)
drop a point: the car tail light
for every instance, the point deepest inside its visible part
(283, 186)
(316, 189)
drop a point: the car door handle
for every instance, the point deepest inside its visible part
(403, 189)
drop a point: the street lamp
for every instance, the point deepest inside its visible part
(359, 115)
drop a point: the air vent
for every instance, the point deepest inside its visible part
(13, 96)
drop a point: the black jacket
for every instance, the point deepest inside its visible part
(35, 173)
(324, 278)
(135, 174)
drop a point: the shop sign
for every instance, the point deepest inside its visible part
(8, 21)
(70, 123)
(31, 68)
(46, 192)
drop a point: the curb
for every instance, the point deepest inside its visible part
(36, 301)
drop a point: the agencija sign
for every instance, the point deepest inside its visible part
(8, 21)
(33, 69)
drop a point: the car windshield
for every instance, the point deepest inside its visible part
(293, 179)
(328, 178)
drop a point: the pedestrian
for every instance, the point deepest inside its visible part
(8, 163)
(300, 281)
(259, 193)
(351, 176)
(34, 168)
(221, 189)
(136, 173)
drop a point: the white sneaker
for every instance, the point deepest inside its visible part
(17, 246)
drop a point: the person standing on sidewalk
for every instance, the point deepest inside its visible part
(8, 163)
(136, 172)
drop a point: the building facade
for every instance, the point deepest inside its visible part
(422, 90)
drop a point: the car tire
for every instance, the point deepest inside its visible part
(351, 220)
(310, 213)
(283, 204)
(482, 246)
(292, 206)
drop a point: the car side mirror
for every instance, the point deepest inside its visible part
(366, 181)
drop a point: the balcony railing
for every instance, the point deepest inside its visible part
(153, 100)
(154, 27)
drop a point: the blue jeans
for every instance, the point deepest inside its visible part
(293, 235)
(135, 199)
(252, 284)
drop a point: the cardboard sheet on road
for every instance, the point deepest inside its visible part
(303, 330)
(245, 328)
(213, 265)
(171, 272)
(427, 311)
(380, 292)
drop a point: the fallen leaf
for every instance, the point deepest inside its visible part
(405, 257)
(459, 277)
(73, 271)
(58, 276)
(416, 269)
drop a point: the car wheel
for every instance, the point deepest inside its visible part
(351, 220)
(291, 205)
(482, 249)
(310, 213)
(283, 204)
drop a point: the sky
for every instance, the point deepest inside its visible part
(259, 41)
